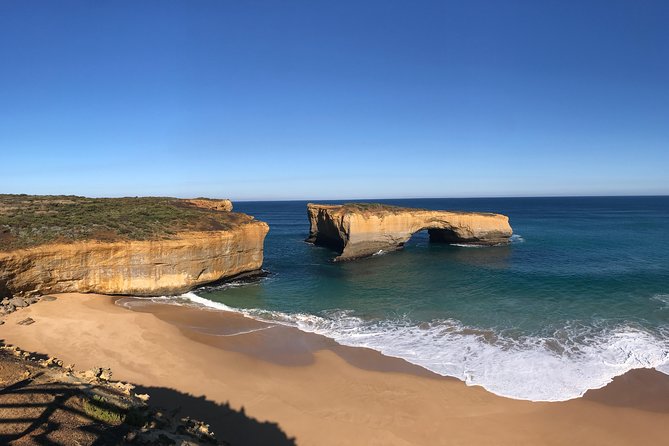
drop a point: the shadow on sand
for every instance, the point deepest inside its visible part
(230, 425)
(44, 409)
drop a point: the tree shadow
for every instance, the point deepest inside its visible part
(228, 424)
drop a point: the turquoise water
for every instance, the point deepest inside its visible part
(580, 295)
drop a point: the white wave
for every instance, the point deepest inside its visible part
(516, 238)
(556, 368)
(206, 302)
(529, 368)
(130, 302)
(238, 333)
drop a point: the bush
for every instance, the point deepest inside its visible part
(98, 408)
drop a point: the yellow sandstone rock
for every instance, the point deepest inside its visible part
(136, 267)
(361, 230)
(208, 203)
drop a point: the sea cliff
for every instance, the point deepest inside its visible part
(361, 229)
(171, 259)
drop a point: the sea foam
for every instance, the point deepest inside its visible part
(553, 368)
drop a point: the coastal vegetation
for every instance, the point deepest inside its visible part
(382, 208)
(31, 220)
(101, 409)
(372, 207)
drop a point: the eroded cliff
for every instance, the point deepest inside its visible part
(208, 203)
(170, 259)
(361, 230)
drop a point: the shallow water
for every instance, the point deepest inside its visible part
(580, 296)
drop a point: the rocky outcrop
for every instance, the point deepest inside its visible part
(361, 230)
(110, 411)
(135, 267)
(208, 203)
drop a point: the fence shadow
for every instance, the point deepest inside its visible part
(42, 408)
(47, 409)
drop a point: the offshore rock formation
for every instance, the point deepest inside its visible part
(361, 230)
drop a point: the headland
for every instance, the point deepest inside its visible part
(142, 246)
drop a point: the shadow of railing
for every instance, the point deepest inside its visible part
(39, 406)
(33, 406)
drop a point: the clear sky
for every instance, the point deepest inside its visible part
(334, 99)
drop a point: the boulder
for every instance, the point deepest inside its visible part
(18, 302)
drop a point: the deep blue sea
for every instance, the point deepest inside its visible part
(580, 295)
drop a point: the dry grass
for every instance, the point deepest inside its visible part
(30, 220)
(375, 208)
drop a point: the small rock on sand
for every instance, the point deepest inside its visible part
(26, 321)
(18, 302)
(104, 374)
(48, 298)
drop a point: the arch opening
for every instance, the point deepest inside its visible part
(428, 235)
(443, 236)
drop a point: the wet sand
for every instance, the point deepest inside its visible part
(319, 392)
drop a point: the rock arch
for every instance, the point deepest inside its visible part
(361, 229)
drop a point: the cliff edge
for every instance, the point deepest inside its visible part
(362, 229)
(146, 246)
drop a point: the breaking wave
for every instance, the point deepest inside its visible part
(558, 367)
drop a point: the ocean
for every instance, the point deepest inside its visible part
(580, 296)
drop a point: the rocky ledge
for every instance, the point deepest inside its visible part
(362, 229)
(144, 246)
(47, 402)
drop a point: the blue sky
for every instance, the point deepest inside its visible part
(337, 99)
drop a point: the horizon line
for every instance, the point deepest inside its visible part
(454, 197)
(246, 200)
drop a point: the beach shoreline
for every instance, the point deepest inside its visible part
(317, 391)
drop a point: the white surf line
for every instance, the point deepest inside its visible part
(623, 350)
(242, 332)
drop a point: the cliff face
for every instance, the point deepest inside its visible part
(363, 230)
(136, 267)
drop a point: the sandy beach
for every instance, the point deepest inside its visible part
(258, 383)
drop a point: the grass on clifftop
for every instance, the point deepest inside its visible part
(30, 220)
(373, 207)
(380, 208)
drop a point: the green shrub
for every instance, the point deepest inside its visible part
(98, 408)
